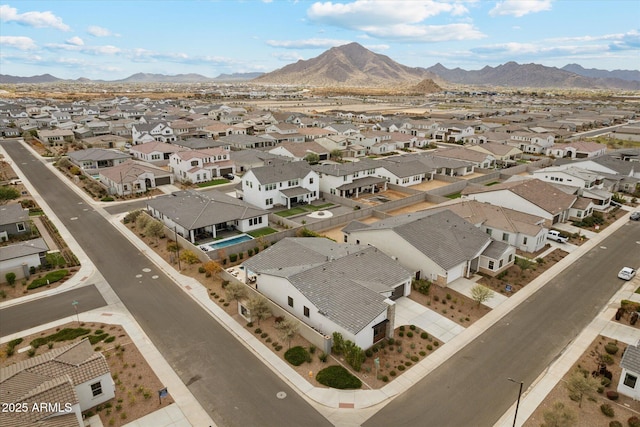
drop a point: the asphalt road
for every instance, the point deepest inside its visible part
(24, 316)
(231, 384)
(471, 389)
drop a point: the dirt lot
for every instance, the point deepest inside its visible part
(590, 413)
(447, 302)
(136, 384)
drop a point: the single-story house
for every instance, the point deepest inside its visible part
(333, 287)
(435, 245)
(630, 364)
(14, 221)
(20, 257)
(199, 215)
(71, 379)
(97, 158)
(133, 177)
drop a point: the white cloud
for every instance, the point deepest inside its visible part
(396, 20)
(425, 33)
(307, 43)
(22, 43)
(96, 31)
(76, 41)
(379, 13)
(288, 56)
(90, 50)
(32, 19)
(519, 8)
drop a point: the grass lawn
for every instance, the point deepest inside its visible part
(454, 195)
(492, 183)
(302, 209)
(213, 182)
(261, 232)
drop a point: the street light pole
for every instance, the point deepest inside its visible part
(515, 416)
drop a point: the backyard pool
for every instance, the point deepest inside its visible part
(226, 242)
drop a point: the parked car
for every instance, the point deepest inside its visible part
(635, 216)
(556, 236)
(627, 273)
(229, 176)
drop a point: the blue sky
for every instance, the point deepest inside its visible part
(113, 39)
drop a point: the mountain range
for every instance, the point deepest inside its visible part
(352, 65)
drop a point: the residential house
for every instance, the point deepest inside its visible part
(106, 141)
(577, 150)
(479, 159)
(526, 195)
(284, 184)
(71, 379)
(437, 246)
(203, 215)
(159, 131)
(351, 179)
(452, 132)
(248, 141)
(405, 173)
(251, 158)
(628, 384)
(133, 177)
(97, 158)
(503, 153)
(532, 143)
(55, 137)
(525, 232)
(156, 153)
(300, 150)
(333, 287)
(583, 182)
(627, 133)
(14, 221)
(201, 165)
(344, 129)
(18, 258)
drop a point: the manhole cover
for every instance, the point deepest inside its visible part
(281, 395)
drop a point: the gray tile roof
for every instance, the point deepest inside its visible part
(404, 169)
(343, 281)
(281, 172)
(192, 209)
(11, 214)
(95, 154)
(346, 168)
(27, 247)
(443, 236)
(631, 359)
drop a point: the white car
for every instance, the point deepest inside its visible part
(627, 273)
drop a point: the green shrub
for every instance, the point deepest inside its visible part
(201, 270)
(94, 339)
(615, 424)
(110, 339)
(607, 359)
(401, 368)
(250, 252)
(607, 410)
(297, 355)
(52, 277)
(413, 327)
(338, 377)
(634, 421)
(323, 357)
(65, 334)
(409, 334)
(611, 348)
(401, 328)
(11, 278)
(424, 335)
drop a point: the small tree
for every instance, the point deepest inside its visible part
(312, 158)
(481, 294)
(580, 384)
(212, 268)
(155, 229)
(235, 291)
(8, 193)
(287, 329)
(142, 221)
(336, 154)
(189, 257)
(558, 416)
(11, 278)
(259, 308)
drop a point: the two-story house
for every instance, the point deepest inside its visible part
(351, 179)
(280, 184)
(201, 165)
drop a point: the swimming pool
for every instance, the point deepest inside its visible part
(227, 242)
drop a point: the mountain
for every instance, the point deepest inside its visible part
(44, 78)
(162, 78)
(236, 77)
(513, 74)
(630, 75)
(350, 65)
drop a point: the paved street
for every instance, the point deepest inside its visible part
(229, 381)
(30, 314)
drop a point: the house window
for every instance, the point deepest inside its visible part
(630, 380)
(510, 257)
(524, 241)
(290, 301)
(505, 237)
(96, 389)
(490, 265)
(489, 231)
(311, 180)
(21, 226)
(306, 311)
(500, 264)
(380, 331)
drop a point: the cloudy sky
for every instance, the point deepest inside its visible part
(113, 39)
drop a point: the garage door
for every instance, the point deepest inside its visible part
(455, 273)
(163, 181)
